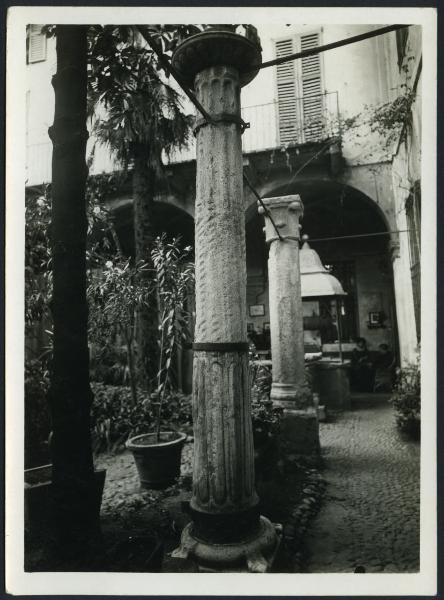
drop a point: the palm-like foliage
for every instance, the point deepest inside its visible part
(139, 116)
(141, 111)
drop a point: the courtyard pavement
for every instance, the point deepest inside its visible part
(370, 513)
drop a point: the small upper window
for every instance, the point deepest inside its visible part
(35, 44)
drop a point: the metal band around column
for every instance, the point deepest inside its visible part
(220, 118)
(220, 347)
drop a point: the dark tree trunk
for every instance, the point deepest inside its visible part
(70, 395)
(144, 234)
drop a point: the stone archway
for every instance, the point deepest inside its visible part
(168, 218)
(173, 221)
(362, 263)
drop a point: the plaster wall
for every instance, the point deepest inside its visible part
(406, 170)
(375, 181)
(40, 96)
(346, 70)
(373, 287)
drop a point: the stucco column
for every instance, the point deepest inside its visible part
(405, 312)
(227, 530)
(289, 389)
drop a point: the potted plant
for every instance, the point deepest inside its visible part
(157, 454)
(406, 400)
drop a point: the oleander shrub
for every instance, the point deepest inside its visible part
(115, 417)
(37, 418)
(406, 399)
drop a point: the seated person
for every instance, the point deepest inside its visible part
(384, 369)
(361, 370)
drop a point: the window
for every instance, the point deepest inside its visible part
(35, 44)
(413, 214)
(299, 91)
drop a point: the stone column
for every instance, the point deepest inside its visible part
(227, 531)
(290, 388)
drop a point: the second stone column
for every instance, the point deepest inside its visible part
(290, 388)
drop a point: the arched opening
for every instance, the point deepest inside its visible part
(174, 222)
(350, 234)
(167, 218)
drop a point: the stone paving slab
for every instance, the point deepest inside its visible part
(370, 513)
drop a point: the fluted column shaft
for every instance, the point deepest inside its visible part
(223, 474)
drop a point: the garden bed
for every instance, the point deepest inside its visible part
(132, 517)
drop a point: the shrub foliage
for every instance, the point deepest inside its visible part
(406, 398)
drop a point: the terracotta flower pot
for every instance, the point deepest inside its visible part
(158, 463)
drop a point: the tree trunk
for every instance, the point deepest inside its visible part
(147, 352)
(70, 394)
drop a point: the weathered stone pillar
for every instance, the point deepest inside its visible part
(403, 296)
(227, 531)
(290, 388)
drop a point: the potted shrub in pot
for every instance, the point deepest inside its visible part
(158, 454)
(406, 400)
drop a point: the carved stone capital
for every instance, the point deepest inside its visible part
(216, 48)
(218, 90)
(286, 211)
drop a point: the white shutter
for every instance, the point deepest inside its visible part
(286, 92)
(311, 83)
(37, 44)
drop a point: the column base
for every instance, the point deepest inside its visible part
(291, 395)
(254, 555)
(299, 433)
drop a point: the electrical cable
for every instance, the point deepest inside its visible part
(267, 212)
(358, 235)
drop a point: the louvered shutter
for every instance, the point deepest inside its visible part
(37, 44)
(311, 83)
(286, 93)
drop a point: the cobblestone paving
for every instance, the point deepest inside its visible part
(370, 513)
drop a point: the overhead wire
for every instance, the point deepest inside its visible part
(357, 235)
(259, 199)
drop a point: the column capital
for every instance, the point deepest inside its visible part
(285, 212)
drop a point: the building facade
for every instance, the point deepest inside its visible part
(309, 135)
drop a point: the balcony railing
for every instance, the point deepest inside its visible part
(39, 158)
(312, 119)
